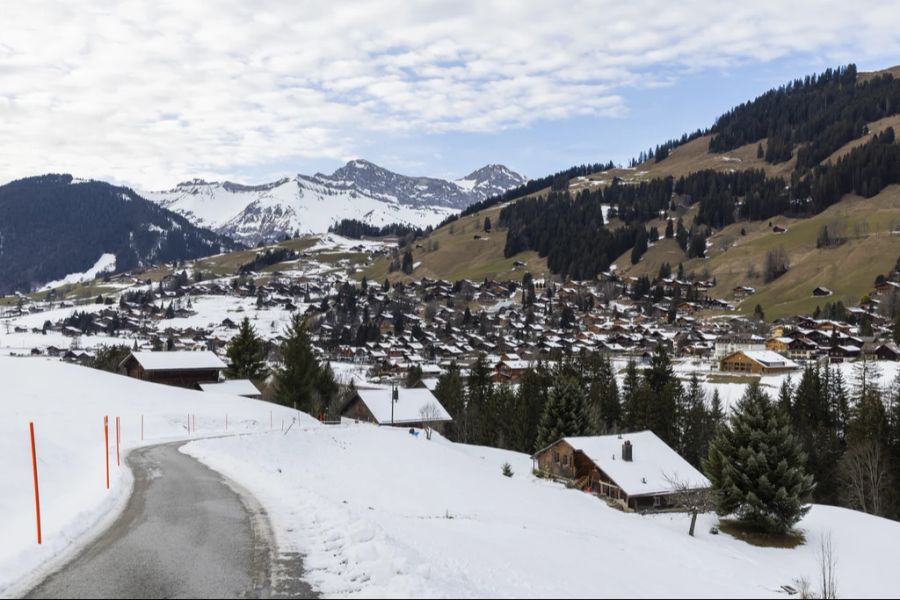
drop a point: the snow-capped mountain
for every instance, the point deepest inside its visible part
(311, 204)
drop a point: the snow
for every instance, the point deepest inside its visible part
(105, 264)
(407, 409)
(380, 513)
(181, 361)
(235, 387)
(654, 463)
(67, 404)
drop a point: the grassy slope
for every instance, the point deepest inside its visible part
(461, 256)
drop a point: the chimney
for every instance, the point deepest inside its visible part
(627, 451)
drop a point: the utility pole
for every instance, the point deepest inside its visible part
(395, 396)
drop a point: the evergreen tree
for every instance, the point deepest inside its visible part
(757, 466)
(664, 395)
(634, 402)
(695, 425)
(479, 422)
(451, 393)
(814, 427)
(531, 400)
(297, 375)
(564, 415)
(247, 354)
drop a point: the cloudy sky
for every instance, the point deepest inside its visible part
(152, 93)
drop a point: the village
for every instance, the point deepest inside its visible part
(391, 342)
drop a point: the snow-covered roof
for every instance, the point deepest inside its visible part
(652, 462)
(178, 360)
(235, 387)
(770, 359)
(408, 407)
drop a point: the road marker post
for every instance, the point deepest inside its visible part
(118, 440)
(106, 447)
(37, 494)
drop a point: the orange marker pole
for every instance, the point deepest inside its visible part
(118, 438)
(37, 494)
(106, 447)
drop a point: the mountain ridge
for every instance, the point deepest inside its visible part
(359, 190)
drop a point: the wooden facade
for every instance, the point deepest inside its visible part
(745, 362)
(563, 462)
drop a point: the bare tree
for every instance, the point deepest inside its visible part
(827, 568)
(429, 414)
(865, 471)
(690, 498)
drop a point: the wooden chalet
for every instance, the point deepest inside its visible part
(412, 407)
(181, 369)
(636, 470)
(756, 362)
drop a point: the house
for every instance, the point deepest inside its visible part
(182, 369)
(888, 351)
(509, 369)
(234, 387)
(637, 470)
(728, 344)
(410, 407)
(822, 291)
(757, 362)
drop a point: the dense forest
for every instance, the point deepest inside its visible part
(357, 230)
(51, 226)
(817, 115)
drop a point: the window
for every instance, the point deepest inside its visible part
(556, 457)
(566, 460)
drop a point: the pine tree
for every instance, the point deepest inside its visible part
(531, 401)
(480, 423)
(815, 429)
(634, 407)
(664, 395)
(246, 354)
(695, 430)
(297, 374)
(564, 415)
(757, 466)
(451, 393)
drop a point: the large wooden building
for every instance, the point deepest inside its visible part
(756, 362)
(182, 369)
(637, 470)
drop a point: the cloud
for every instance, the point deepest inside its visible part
(153, 93)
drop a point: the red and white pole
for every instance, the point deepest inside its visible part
(37, 494)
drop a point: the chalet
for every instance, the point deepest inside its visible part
(888, 351)
(840, 353)
(756, 362)
(637, 470)
(181, 369)
(409, 407)
(509, 369)
(822, 291)
(235, 387)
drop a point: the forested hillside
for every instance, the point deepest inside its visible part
(54, 225)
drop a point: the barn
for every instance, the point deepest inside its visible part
(181, 369)
(636, 470)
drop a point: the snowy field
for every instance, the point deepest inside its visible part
(67, 404)
(381, 513)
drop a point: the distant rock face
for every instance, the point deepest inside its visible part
(310, 204)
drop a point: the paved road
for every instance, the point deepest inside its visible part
(183, 534)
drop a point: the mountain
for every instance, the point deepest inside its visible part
(54, 226)
(819, 152)
(359, 190)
